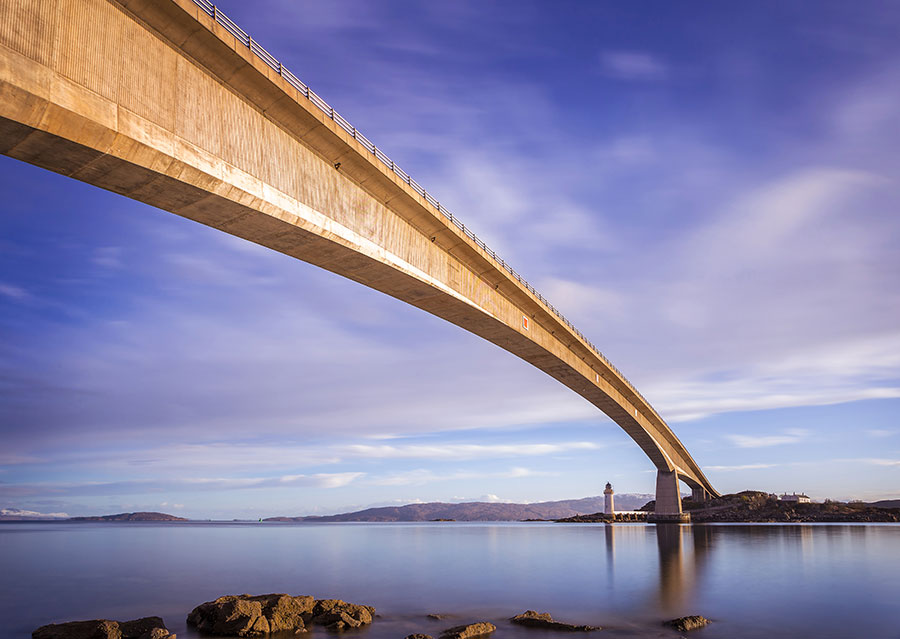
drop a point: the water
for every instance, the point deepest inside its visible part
(826, 581)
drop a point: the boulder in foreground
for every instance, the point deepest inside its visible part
(335, 614)
(469, 630)
(683, 624)
(534, 619)
(145, 628)
(256, 616)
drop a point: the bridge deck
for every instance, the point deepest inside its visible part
(166, 104)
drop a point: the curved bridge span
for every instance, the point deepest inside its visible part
(170, 103)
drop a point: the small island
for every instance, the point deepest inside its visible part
(140, 516)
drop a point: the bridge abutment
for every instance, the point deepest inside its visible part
(668, 500)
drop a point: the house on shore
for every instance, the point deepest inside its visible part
(795, 498)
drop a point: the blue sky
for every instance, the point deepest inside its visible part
(709, 194)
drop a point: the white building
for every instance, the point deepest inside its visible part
(795, 498)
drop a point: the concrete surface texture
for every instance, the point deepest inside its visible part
(155, 100)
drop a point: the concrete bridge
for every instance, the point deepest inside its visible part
(170, 103)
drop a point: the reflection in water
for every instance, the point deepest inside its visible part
(683, 553)
(679, 571)
(674, 580)
(610, 551)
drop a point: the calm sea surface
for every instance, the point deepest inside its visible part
(840, 581)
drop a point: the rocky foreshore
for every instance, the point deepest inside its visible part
(259, 615)
(145, 628)
(534, 619)
(753, 506)
(285, 615)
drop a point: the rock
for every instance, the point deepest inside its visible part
(436, 616)
(146, 628)
(285, 612)
(534, 619)
(336, 614)
(683, 624)
(94, 629)
(230, 615)
(418, 635)
(256, 616)
(469, 630)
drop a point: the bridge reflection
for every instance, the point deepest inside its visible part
(683, 554)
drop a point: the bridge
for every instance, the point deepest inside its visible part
(171, 103)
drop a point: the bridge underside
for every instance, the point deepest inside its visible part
(154, 100)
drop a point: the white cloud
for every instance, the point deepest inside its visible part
(108, 257)
(632, 65)
(324, 480)
(421, 476)
(177, 484)
(17, 512)
(875, 461)
(465, 451)
(13, 292)
(791, 436)
(740, 467)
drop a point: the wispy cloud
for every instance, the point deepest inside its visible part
(109, 257)
(466, 451)
(632, 65)
(740, 467)
(13, 292)
(204, 484)
(489, 497)
(791, 436)
(880, 432)
(199, 458)
(422, 476)
(873, 461)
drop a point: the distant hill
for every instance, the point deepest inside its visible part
(758, 506)
(482, 511)
(885, 503)
(131, 517)
(16, 514)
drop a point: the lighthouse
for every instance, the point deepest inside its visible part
(608, 506)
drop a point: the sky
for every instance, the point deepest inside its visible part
(708, 193)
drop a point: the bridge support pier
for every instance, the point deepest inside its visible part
(699, 495)
(668, 500)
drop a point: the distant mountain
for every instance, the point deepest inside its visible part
(132, 517)
(482, 511)
(15, 514)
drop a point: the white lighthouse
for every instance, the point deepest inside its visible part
(609, 506)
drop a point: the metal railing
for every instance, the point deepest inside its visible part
(243, 37)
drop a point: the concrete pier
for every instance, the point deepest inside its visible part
(668, 499)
